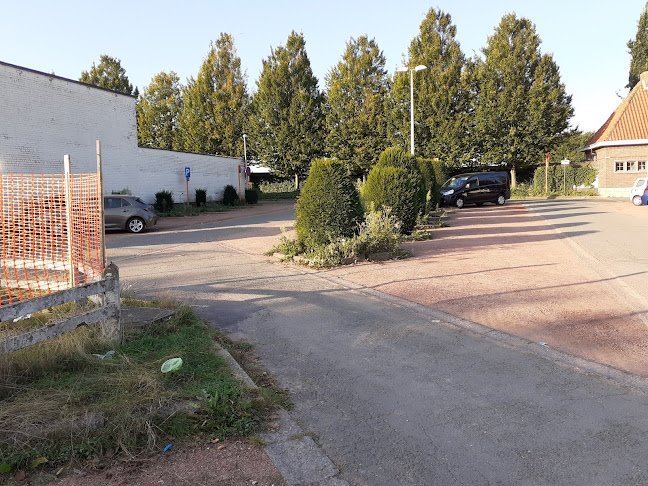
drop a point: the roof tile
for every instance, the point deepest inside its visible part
(629, 121)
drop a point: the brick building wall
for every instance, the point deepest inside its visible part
(613, 182)
(43, 117)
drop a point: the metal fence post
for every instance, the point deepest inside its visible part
(111, 328)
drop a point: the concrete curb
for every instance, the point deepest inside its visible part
(298, 458)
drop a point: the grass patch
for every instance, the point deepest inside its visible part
(61, 403)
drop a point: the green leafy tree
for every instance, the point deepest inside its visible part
(638, 49)
(108, 74)
(215, 104)
(570, 144)
(158, 109)
(287, 122)
(355, 109)
(522, 108)
(442, 94)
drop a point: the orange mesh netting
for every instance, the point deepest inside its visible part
(45, 247)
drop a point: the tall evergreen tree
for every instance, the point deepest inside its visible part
(522, 108)
(355, 106)
(441, 94)
(215, 103)
(158, 109)
(108, 74)
(639, 50)
(287, 122)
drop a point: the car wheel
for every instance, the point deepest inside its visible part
(460, 202)
(637, 201)
(500, 200)
(135, 225)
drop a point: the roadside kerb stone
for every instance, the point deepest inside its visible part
(297, 457)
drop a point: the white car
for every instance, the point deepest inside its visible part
(639, 192)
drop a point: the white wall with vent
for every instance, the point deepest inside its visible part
(43, 117)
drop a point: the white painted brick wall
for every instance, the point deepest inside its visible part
(44, 117)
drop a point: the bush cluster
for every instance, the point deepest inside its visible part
(331, 225)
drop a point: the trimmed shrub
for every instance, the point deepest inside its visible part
(201, 197)
(163, 201)
(402, 189)
(230, 196)
(251, 196)
(329, 206)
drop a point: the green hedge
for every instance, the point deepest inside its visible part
(563, 178)
(329, 206)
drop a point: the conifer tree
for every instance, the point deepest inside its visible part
(158, 109)
(355, 106)
(215, 103)
(638, 49)
(441, 94)
(287, 123)
(522, 108)
(108, 74)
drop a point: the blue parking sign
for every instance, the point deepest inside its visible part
(187, 173)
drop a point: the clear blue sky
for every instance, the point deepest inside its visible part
(588, 39)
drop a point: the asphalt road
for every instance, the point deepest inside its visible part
(611, 237)
(398, 393)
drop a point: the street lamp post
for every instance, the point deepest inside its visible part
(403, 69)
(247, 182)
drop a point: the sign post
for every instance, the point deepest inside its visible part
(547, 173)
(564, 163)
(187, 175)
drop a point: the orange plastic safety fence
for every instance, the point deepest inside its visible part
(45, 246)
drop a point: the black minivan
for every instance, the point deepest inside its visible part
(476, 188)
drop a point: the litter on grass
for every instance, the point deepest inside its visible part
(173, 364)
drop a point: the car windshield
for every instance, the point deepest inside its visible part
(455, 182)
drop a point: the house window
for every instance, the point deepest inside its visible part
(630, 166)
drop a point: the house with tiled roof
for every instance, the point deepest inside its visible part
(619, 149)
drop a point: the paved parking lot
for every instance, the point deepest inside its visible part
(569, 273)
